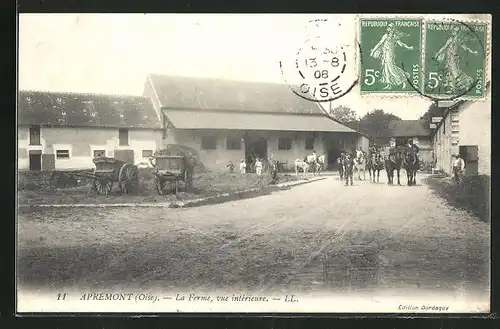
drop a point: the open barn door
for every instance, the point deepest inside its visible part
(470, 155)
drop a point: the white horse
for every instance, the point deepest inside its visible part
(320, 164)
(300, 164)
(360, 165)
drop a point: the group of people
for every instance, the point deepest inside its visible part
(243, 166)
(375, 149)
(258, 164)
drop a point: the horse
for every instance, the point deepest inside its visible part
(360, 165)
(375, 165)
(319, 164)
(301, 164)
(393, 163)
(311, 160)
(348, 169)
(411, 164)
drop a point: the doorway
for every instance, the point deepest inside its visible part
(333, 155)
(35, 159)
(470, 155)
(255, 147)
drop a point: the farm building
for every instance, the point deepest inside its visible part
(67, 130)
(465, 129)
(227, 121)
(402, 130)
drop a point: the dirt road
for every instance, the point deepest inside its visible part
(315, 237)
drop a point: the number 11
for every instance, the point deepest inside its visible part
(61, 296)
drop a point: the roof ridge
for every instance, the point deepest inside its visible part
(180, 109)
(216, 79)
(80, 93)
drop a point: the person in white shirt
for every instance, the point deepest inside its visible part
(458, 167)
(243, 166)
(258, 166)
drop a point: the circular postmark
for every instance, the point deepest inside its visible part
(454, 60)
(322, 69)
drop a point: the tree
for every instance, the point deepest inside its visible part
(376, 124)
(344, 114)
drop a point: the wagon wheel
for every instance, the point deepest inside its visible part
(160, 185)
(128, 178)
(103, 186)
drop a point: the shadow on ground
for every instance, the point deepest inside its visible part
(190, 260)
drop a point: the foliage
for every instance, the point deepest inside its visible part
(376, 124)
(344, 114)
(473, 194)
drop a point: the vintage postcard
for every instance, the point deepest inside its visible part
(335, 163)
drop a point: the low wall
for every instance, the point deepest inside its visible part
(49, 180)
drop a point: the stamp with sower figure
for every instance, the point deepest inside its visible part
(391, 55)
(455, 59)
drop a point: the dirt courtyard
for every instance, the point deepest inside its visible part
(321, 236)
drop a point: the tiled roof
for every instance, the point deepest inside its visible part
(85, 110)
(207, 119)
(217, 94)
(407, 128)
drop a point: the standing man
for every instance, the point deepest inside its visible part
(458, 168)
(340, 161)
(258, 166)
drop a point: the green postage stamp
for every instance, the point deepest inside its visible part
(455, 56)
(391, 55)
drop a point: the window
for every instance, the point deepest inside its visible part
(208, 143)
(310, 143)
(99, 153)
(123, 137)
(285, 143)
(147, 153)
(233, 143)
(35, 136)
(62, 154)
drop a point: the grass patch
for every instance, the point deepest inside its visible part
(473, 194)
(204, 185)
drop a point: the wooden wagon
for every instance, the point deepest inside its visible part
(110, 170)
(169, 170)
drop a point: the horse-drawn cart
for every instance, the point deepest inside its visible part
(170, 170)
(110, 170)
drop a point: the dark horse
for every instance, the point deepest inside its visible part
(375, 165)
(393, 163)
(411, 164)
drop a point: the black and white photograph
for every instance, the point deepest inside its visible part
(326, 163)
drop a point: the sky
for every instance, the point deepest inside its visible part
(114, 53)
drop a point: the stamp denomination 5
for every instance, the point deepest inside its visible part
(390, 59)
(454, 59)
